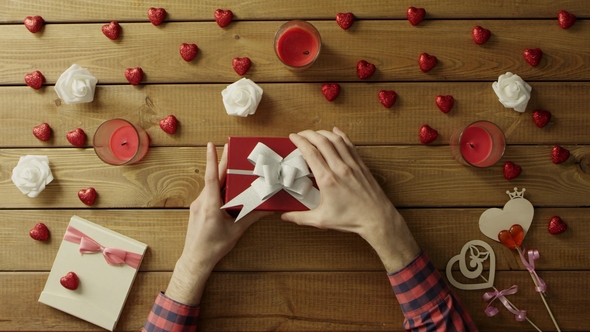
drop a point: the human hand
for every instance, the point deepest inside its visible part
(351, 198)
(211, 234)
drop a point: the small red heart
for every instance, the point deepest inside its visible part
(34, 23)
(556, 225)
(331, 90)
(511, 170)
(134, 75)
(223, 17)
(42, 132)
(345, 20)
(156, 15)
(513, 237)
(111, 30)
(34, 79)
(427, 134)
(427, 62)
(480, 35)
(40, 232)
(533, 56)
(566, 19)
(415, 15)
(541, 118)
(188, 51)
(169, 124)
(364, 69)
(87, 196)
(70, 281)
(241, 65)
(76, 137)
(445, 103)
(387, 98)
(559, 154)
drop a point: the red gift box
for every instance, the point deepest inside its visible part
(238, 150)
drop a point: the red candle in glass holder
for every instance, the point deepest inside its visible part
(480, 144)
(297, 44)
(119, 142)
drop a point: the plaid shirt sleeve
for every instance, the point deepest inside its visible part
(426, 301)
(169, 315)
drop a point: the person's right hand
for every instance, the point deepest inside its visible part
(351, 198)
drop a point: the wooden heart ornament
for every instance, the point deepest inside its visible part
(517, 211)
(477, 257)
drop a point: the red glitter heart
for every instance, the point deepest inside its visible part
(533, 56)
(511, 170)
(364, 69)
(331, 90)
(111, 30)
(480, 35)
(76, 137)
(541, 118)
(42, 132)
(34, 79)
(87, 196)
(445, 103)
(387, 98)
(427, 62)
(188, 51)
(33, 23)
(345, 20)
(70, 281)
(223, 17)
(241, 65)
(513, 237)
(415, 15)
(169, 124)
(427, 134)
(556, 225)
(566, 19)
(134, 75)
(156, 15)
(559, 154)
(40, 232)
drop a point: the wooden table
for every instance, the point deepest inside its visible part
(281, 276)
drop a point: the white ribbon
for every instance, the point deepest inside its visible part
(274, 174)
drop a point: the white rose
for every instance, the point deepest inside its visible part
(76, 85)
(32, 174)
(512, 91)
(242, 97)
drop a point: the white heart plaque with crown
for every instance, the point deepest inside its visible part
(517, 210)
(477, 257)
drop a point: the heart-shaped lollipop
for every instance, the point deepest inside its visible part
(513, 237)
(517, 210)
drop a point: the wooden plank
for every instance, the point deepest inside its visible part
(440, 232)
(416, 176)
(300, 301)
(124, 10)
(393, 46)
(287, 108)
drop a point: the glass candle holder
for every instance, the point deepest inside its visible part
(479, 144)
(120, 142)
(297, 44)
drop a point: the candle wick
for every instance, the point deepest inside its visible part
(123, 143)
(471, 145)
(306, 52)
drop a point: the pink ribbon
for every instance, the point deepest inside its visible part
(533, 255)
(519, 315)
(113, 256)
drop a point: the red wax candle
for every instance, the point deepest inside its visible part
(297, 44)
(119, 142)
(480, 144)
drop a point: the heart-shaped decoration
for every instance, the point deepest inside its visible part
(134, 75)
(34, 79)
(345, 20)
(445, 103)
(516, 211)
(480, 35)
(223, 17)
(241, 65)
(541, 118)
(364, 69)
(427, 134)
(188, 51)
(76, 137)
(559, 154)
(156, 15)
(566, 19)
(42, 132)
(331, 90)
(427, 62)
(169, 124)
(387, 98)
(33, 23)
(87, 196)
(513, 237)
(70, 281)
(415, 15)
(112, 30)
(511, 170)
(40, 232)
(556, 225)
(533, 56)
(477, 257)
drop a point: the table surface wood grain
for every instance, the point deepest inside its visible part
(281, 276)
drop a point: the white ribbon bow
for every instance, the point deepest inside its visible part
(274, 174)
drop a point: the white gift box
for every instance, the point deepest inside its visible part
(103, 287)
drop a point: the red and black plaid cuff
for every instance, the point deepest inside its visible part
(169, 315)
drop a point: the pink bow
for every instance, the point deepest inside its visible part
(113, 256)
(519, 315)
(530, 265)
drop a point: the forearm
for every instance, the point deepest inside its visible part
(188, 282)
